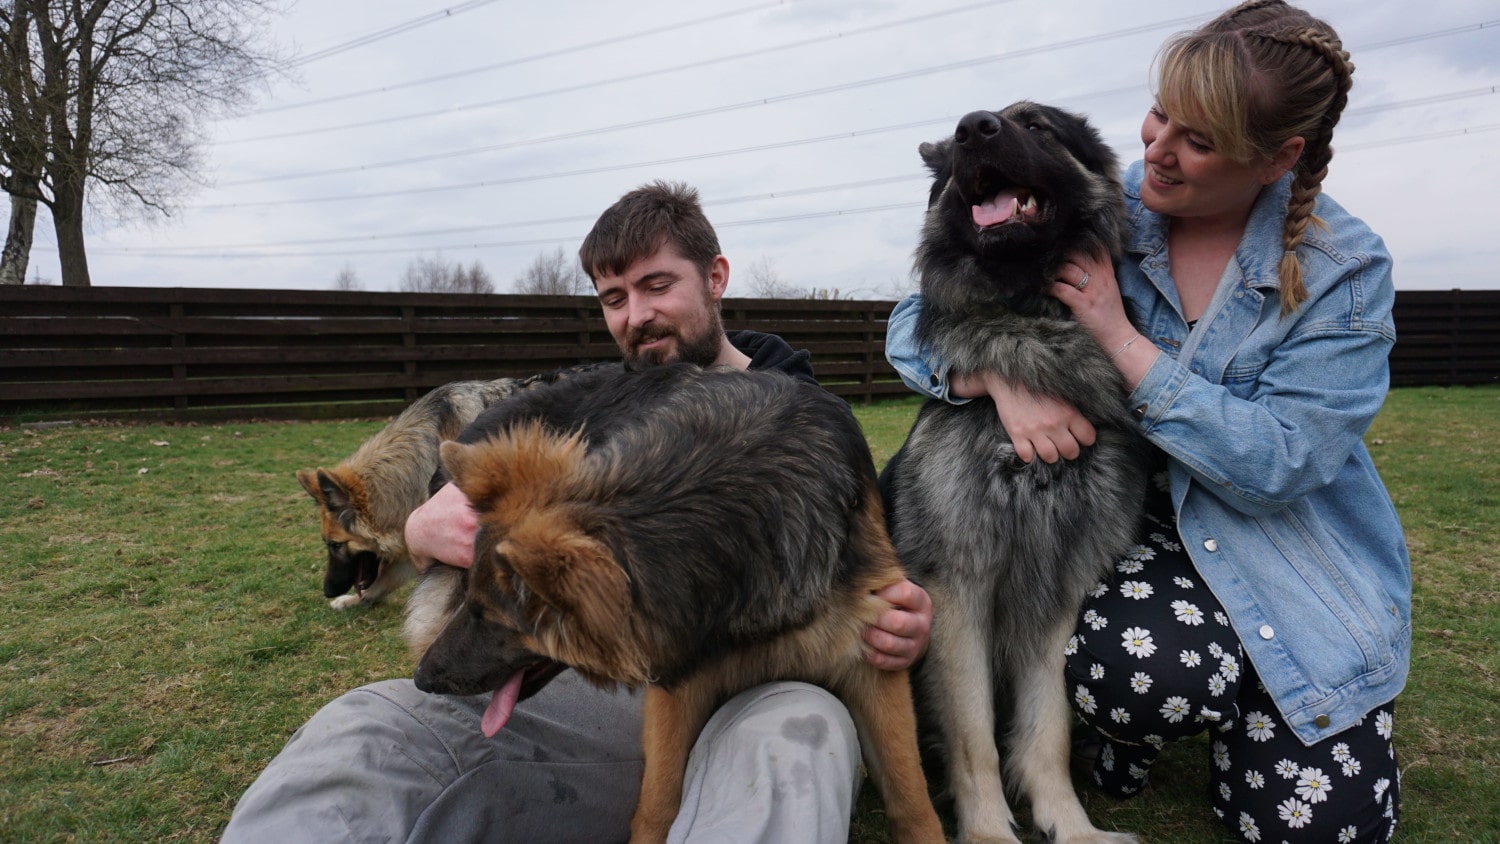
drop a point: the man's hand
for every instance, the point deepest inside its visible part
(442, 530)
(899, 637)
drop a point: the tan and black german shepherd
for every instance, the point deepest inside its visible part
(697, 532)
(363, 502)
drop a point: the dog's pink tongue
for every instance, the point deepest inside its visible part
(997, 209)
(501, 705)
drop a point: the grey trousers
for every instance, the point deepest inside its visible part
(388, 763)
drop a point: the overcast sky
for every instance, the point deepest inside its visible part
(494, 130)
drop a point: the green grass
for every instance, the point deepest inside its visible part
(163, 631)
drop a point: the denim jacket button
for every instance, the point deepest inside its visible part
(934, 381)
(1211, 545)
(1322, 721)
(1266, 632)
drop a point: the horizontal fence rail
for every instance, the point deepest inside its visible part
(187, 353)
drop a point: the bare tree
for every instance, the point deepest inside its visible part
(438, 275)
(765, 282)
(474, 280)
(114, 94)
(347, 279)
(22, 141)
(554, 274)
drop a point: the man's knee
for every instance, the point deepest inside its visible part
(791, 713)
(779, 762)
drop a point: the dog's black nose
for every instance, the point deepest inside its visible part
(976, 126)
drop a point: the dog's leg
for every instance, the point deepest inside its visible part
(391, 576)
(1040, 746)
(880, 704)
(671, 723)
(958, 682)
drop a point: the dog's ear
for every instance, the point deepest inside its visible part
(570, 570)
(525, 460)
(341, 495)
(476, 469)
(1086, 145)
(458, 460)
(335, 496)
(938, 157)
(309, 480)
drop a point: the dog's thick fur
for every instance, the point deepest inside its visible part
(697, 532)
(1006, 549)
(363, 502)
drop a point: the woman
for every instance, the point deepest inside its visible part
(1269, 598)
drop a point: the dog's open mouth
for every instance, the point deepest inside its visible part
(369, 569)
(521, 685)
(1014, 205)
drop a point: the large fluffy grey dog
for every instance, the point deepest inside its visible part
(1008, 550)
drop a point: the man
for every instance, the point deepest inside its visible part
(776, 763)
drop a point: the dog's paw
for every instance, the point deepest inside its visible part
(982, 838)
(344, 602)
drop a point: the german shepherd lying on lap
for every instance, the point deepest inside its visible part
(697, 532)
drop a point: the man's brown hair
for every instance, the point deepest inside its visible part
(643, 221)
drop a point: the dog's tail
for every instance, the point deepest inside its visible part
(436, 597)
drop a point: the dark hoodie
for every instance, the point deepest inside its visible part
(768, 351)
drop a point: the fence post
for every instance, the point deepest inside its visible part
(179, 350)
(409, 342)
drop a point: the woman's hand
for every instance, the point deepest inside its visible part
(1038, 424)
(1097, 304)
(1087, 285)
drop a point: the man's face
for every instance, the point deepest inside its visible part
(662, 309)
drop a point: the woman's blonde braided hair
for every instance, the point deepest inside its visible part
(1253, 78)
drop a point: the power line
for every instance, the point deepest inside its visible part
(397, 29)
(550, 54)
(609, 168)
(582, 218)
(548, 139)
(549, 241)
(1458, 30)
(796, 95)
(585, 171)
(163, 252)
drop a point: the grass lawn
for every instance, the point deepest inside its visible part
(162, 627)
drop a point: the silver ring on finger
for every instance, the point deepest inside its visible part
(1083, 283)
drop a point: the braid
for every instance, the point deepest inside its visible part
(1249, 13)
(1312, 166)
(1254, 78)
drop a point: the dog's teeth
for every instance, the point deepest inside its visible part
(1030, 204)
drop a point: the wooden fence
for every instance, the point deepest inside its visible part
(182, 353)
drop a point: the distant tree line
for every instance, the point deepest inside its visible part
(557, 273)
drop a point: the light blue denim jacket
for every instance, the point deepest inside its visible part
(1262, 419)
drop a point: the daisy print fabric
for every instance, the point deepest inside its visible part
(1154, 660)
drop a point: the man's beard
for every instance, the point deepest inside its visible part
(701, 348)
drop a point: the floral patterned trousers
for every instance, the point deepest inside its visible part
(1154, 660)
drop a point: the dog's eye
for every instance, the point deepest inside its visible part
(335, 547)
(1034, 126)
